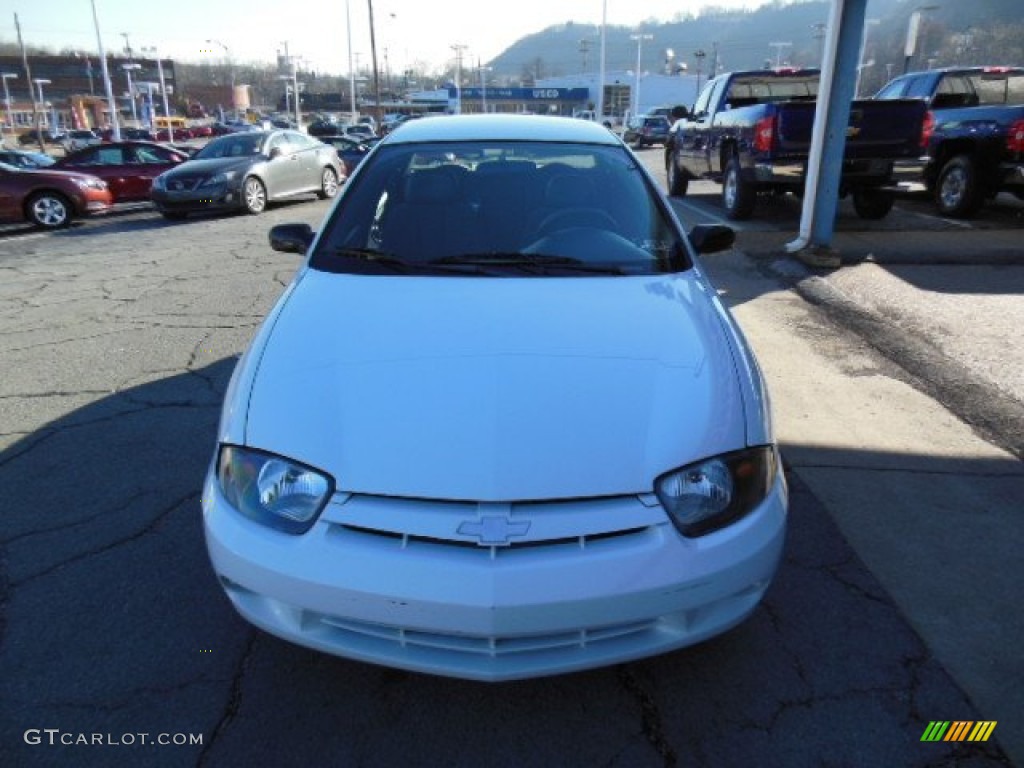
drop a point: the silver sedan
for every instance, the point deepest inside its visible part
(245, 171)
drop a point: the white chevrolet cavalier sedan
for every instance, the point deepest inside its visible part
(499, 425)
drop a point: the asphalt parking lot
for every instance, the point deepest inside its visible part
(118, 339)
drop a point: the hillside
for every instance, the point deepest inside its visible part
(979, 32)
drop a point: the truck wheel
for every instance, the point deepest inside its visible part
(738, 195)
(958, 190)
(677, 182)
(872, 203)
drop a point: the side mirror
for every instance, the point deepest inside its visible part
(712, 238)
(291, 238)
(275, 153)
(679, 112)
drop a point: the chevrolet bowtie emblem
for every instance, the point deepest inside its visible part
(494, 530)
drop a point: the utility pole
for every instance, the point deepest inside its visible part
(584, 49)
(458, 48)
(376, 73)
(778, 51)
(36, 117)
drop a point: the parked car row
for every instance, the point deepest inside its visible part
(240, 171)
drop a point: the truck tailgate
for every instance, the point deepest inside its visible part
(877, 129)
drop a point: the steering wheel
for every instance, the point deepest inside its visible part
(593, 218)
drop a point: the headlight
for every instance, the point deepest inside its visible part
(219, 179)
(91, 183)
(272, 490)
(711, 494)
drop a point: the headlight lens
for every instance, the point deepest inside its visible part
(272, 490)
(91, 183)
(219, 179)
(711, 494)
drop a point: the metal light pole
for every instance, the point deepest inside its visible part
(40, 82)
(115, 121)
(601, 73)
(131, 93)
(639, 44)
(913, 32)
(458, 48)
(7, 98)
(231, 69)
(483, 85)
(351, 72)
(699, 55)
(163, 90)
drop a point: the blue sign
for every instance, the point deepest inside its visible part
(523, 94)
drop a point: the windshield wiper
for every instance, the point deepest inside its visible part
(400, 266)
(535, 262)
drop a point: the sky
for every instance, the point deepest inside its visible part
(415, 33)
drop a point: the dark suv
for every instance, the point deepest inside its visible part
(644, 130)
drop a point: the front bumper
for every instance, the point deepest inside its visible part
(208, 198)
(390, 582)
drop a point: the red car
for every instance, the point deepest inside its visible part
(128, 167)
(180, 134)
(49, 198)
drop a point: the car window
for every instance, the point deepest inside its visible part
(504, 205)
(300, 141)
(236, 145)
(152, 155)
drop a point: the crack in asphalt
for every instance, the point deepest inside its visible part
(652, 722)
(82, 521)
(234, 702)
(146, 529)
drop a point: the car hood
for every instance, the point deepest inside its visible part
(214, 165)
(495, 389)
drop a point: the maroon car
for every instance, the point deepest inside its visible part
(128, 167)
(49, 198)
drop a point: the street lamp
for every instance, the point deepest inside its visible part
(862, 65)
(163, 89)
(458, 48)
(639, 42)
(483, 84)
(40, 82)
(913, 32)
(7, 97)
(699, 55)
(231, 68)
(128, 68)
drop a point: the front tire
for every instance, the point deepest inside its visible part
(738, 194)
(49, 210)
(254, 196)
(872, 203)
(958, 190)
(328, 184)
(678, 183)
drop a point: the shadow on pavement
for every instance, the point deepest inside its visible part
(113, 623)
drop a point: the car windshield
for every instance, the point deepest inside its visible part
(501, 208)
(236, 145)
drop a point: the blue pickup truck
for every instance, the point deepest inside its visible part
(752, 132)
(974, 131)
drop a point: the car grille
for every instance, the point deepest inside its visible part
(463, 528)
(184, 183)
(487, 646)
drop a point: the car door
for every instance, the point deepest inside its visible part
(147, 162)
(109, 163)
(304, 150)
(693, 135)
(283, 173)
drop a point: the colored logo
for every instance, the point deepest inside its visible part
(958, 730)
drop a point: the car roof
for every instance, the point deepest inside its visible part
(501, 127)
